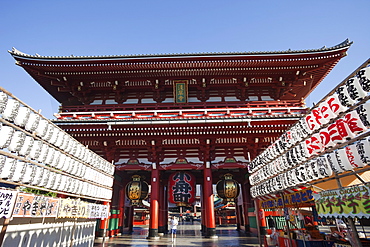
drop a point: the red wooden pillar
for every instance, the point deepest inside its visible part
(203, 215)
(154, 205)
(210, 222)
(162, 210)
(165, 206)
(121, 207)
(246, 204)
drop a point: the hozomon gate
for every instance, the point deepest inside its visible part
(208, 114)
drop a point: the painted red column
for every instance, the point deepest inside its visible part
(203, 214)
(121, 208)
(162, 210)
(165, 206)
(246, 204)
(154, 205)
(210, 230)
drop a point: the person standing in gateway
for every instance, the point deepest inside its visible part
(173, 224)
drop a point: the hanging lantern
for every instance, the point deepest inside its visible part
(22, 116)
(3, 101)
(181, 189)
(344, 97)
(364, 76)
(228, 188)
(32, 122)
(137, 190)
(355, 90)
(11, 109)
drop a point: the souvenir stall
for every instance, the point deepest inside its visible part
(329, 144)
(73, 184)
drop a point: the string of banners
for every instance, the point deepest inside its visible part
(346, 202)
(287, 162)
(18, 204)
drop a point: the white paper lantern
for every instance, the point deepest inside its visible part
(364, 113)
(51, 180)
(17, 141)
(32, 122)
(55, 136)
(353, 156)
(314, 145)
(20, 169)
(79, 169)
(36, 149)
(363, 150)
(50, 156)
(324, 167)
(8, 168)
(45, 177)
(63, 183)
(43, 153)
(309, 172)
(70, 185)
(326, 138)
(300, 173)
(364, 76)
(343, 96)
(67, 164)
(3, 101)
(62, 160)
(56, 160)
(29, 174)
(56, 184)
(60, 138)
(39, 172)
(27, 146)
(42, 128)
(72, 166)
(83, 171)
(342, 159)
(65, 144)
(22, 116)
(355, 90)
(11, 109)
(2, 162)
(332, 107)
(350, 126)
(49, 133)
(6, 133)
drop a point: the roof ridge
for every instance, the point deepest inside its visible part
(345, 43)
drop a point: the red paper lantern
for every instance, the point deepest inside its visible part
(181, 189)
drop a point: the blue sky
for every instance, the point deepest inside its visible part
(62, 28)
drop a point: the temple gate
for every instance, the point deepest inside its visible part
(207, 114)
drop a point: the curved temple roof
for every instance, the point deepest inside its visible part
(282, 75)
(345, 44)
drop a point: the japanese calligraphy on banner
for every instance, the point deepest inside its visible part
(290, 200)
(181, 188)
(70, 208)
(7, 200)
(29, 205)
(348, 202)
(180, 91)
(98, 211)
